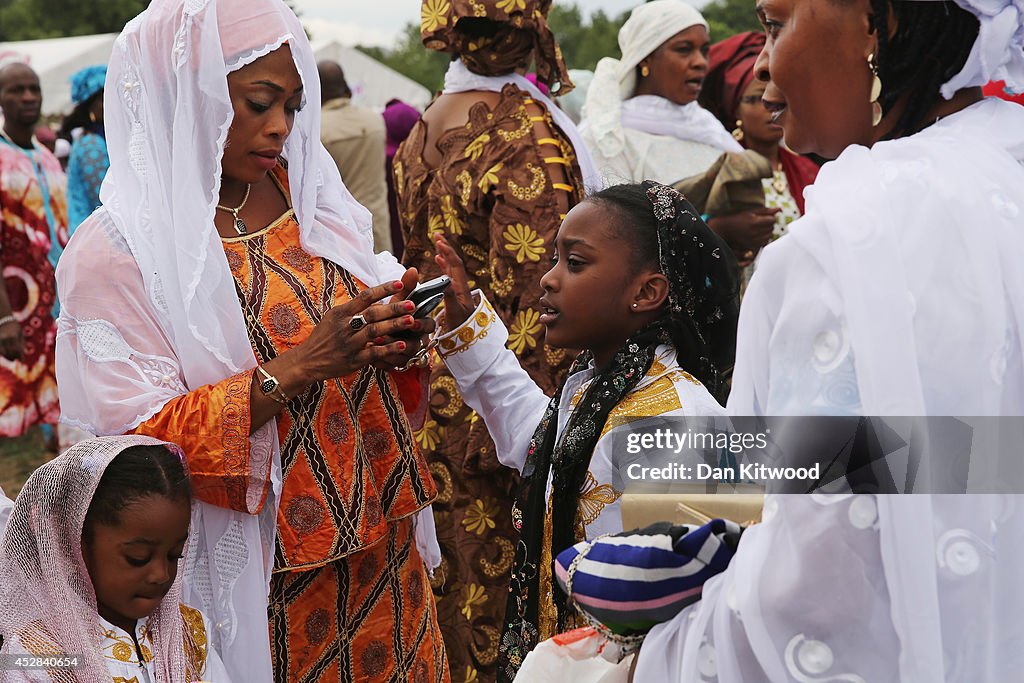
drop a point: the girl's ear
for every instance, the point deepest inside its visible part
(651, 293)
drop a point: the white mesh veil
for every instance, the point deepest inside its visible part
(167, 114)
(43, 577)
(149, 309)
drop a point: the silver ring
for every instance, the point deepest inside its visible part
(357, 322)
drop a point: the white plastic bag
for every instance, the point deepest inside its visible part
(580, 656)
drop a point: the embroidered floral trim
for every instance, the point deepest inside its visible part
(470, 332)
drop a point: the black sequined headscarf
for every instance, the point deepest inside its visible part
(699, 321)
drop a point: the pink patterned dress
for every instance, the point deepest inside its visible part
(32, 207)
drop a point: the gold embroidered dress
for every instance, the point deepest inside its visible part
(498, 195)
(126, 662)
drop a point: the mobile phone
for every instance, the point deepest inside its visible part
(429, 295)
(426, 297)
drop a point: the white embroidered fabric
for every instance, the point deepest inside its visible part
(898, 293)
(149, 308)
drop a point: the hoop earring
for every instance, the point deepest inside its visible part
(876, 91)
(644, 71)
(737, 132)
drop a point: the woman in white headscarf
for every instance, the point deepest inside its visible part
(223, 298)
(898, 293)
(641, 119)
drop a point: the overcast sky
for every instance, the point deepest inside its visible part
(376, 22)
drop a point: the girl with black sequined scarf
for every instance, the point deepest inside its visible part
(649, 292)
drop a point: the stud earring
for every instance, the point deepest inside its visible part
(644, 71)
(737, 132)
(876, 90)
(635, 305)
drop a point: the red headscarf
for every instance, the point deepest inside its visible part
(730, 72)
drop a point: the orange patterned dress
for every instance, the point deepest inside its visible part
(350, 596)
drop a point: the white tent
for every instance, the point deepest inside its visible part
(56, 59)
(373, 84)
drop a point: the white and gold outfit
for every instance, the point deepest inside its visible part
(126, 662)
(512, 405)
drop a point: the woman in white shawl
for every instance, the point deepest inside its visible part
(223, 298)
(898, 293)
(641, 119)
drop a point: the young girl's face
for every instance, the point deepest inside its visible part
(132, 564)
(592, 284)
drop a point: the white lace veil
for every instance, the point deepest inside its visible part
(167, 114)
(43, 578)
(149, 309)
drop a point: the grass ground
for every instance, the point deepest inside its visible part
(19, 458)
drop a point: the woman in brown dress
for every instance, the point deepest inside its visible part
(494, 166)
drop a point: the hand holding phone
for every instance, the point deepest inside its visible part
(426, 297)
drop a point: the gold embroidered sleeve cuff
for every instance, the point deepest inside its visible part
(470, 348)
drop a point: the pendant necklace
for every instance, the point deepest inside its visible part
(778, 180)
(240, 226)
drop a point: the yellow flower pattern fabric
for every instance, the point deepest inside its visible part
(524, 331)
(492, 196)
(526, 244)
(434, 14)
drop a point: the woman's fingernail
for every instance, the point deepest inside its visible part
(409, 320)
(397, 284)
(401, 346)
(410, 306)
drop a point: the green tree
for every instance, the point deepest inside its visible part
(411, 59)
(728, 17)
(32, 19)
(585, 42)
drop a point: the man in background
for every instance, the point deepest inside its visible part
(356, 139)
(33, 215)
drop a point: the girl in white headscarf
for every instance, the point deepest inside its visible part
(89, 582)
(223, 298)
(641, 119)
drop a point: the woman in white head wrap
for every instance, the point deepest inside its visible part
(898, 293)
(641, 119)
(222, 298)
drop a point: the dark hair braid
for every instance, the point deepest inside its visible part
(135, 473)
(930, 46)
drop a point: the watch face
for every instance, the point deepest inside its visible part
(268, 386)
